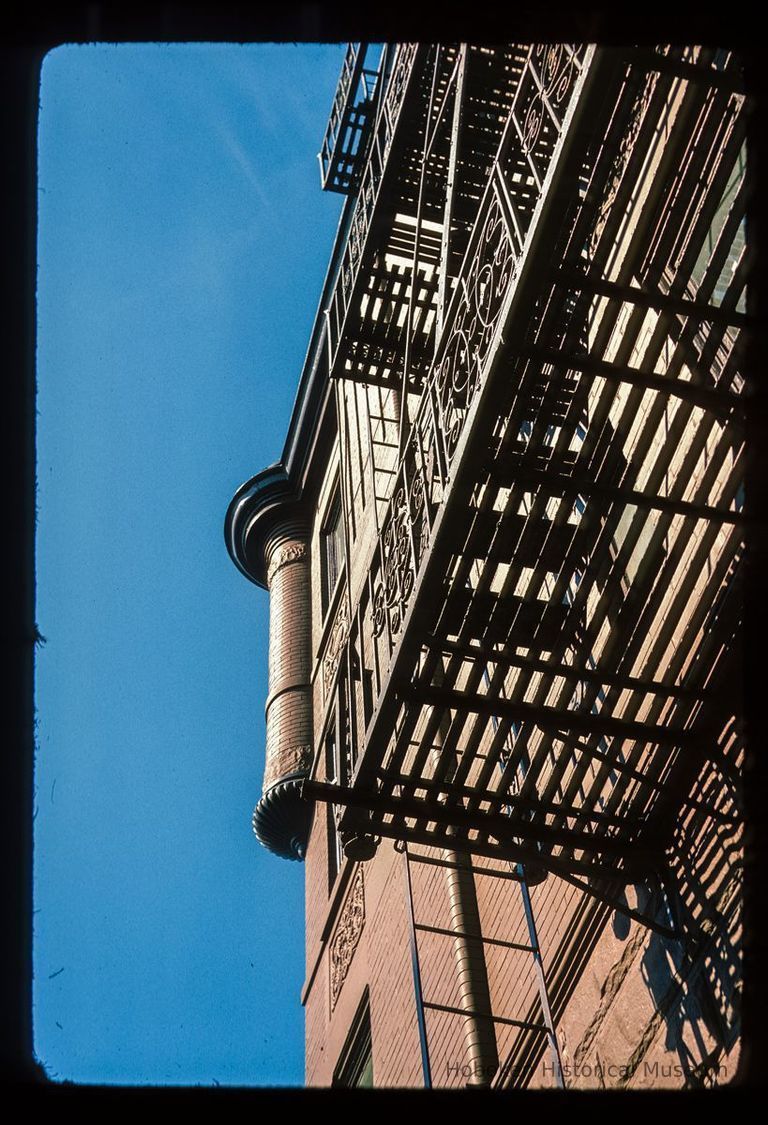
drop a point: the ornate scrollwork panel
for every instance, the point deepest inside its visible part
(621, 159)
(347, 935)
(468, 340)
(553, 70)
(335, 647)
(404, 539)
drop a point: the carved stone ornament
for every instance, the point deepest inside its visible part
(287, 555)
(335, 646)
(289, 760)
(347, 936)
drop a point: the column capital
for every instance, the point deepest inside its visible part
(293, 552)
(266, 510)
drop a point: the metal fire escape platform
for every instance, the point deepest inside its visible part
(382, 319)
(344, 145)
(561, 502)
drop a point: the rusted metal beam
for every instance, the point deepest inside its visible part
(695, 393)
(634, 869)
(500, 826)
(574, 279)
(546, 718)
(438, 789)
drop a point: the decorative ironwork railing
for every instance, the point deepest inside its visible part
(381, 144)
(457, 374)
(466, 344)
(465, 348)
(343, 147)
(345, 90)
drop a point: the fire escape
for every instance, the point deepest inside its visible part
(544, 654)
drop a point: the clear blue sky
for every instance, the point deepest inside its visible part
(183, 241)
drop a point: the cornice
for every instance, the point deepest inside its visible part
(258, 502)
(254, 510)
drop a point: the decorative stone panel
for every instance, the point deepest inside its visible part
(291, 553)
(347, 935)
(289, 760)
(335, 647)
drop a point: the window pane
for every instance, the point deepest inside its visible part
(355, 1066)
(332, 553)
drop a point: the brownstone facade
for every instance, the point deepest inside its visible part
(503, 552)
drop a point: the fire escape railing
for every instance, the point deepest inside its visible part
(384, 129)
(519, 219)
(548, 93)
(467, 342)
(343, 147)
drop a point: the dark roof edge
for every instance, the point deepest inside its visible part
(266, 493)
(281, 483)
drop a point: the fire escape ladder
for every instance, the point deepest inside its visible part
(483, 1017)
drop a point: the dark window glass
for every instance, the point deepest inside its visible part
(355, 1066)
(332, 552)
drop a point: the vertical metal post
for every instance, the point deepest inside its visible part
(533, 940)
(416, 969)
(415, 259)
(371, 457)
(546, 1011)
(359, 439)
(450, 187)
(345, 474)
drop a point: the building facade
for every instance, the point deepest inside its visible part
(503, 550)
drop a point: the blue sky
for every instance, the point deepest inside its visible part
(183, 240)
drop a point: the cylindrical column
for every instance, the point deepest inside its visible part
(469, 954)
(282, 818)
(289, 701)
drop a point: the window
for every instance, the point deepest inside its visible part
(736, 222)
(331, 552)
(355, 1065)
